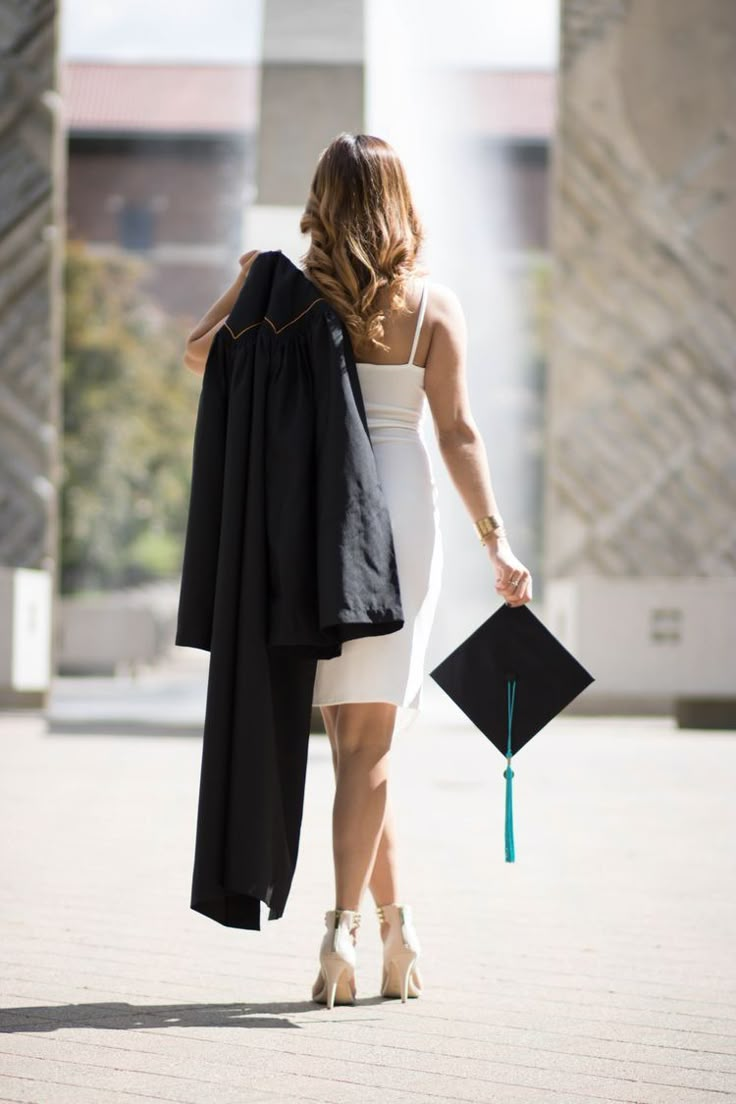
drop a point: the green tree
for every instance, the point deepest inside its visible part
(128, 418)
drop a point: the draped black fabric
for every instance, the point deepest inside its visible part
(288, 553)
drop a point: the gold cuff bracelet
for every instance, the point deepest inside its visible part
(489, 523)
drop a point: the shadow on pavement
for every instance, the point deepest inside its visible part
(121, 1016)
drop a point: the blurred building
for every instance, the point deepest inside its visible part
(513, 126)
(162, 162)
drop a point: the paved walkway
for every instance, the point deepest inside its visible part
(598, 967)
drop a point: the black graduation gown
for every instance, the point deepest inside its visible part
(288, 552)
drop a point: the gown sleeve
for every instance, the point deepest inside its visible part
(202, 539)
(357, 580)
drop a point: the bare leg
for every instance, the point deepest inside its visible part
(360, 736)
(383, 882)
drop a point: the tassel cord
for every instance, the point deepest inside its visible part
(509, 774)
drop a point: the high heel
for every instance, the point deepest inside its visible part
(401, 949)
(335, 983)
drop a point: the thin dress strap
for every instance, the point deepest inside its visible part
(420, 319)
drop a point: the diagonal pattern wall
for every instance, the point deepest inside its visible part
(640, 445)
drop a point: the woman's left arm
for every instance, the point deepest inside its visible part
(200, 339)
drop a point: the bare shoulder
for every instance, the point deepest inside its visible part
(443, 298)
(447, 319)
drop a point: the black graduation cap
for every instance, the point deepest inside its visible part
(511, 676)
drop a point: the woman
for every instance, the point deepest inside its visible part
(409, 340)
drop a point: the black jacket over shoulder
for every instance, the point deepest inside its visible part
(288, 553)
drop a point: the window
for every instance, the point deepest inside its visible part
(135, 226)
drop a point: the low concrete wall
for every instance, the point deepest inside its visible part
(651, 643)
(103, 634)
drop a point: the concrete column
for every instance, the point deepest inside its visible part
(640, 447)
(312, 87)
(31, 244)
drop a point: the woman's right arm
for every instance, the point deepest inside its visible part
(200, 339)
(459, 439)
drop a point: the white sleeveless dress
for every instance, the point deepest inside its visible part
(391, 668)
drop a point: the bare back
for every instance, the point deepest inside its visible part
(399, 332)
(441, 349)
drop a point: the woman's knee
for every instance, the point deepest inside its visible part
(364, 727)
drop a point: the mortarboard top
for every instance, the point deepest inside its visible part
(511, 676)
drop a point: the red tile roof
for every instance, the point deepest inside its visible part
(182, 98)
(115, 97)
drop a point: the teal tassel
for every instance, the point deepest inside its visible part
(508, 773)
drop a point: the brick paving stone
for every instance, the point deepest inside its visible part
(597, 967)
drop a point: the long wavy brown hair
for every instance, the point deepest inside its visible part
(365, 231)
